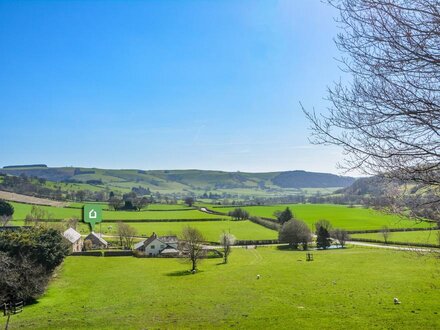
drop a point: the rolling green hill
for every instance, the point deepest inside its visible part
(178, 181)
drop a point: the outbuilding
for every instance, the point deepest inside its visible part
(75, 239)
(97, 241)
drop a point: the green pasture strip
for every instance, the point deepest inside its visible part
(243, 230)
(421, 237)
(80, 205)
(341, 216)
(150, 207)
(21, 210)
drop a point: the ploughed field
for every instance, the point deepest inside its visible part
(344, 288)
(341, 216)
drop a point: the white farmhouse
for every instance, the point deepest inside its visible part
(154, 246)
(74, 239)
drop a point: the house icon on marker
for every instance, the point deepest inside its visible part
(92, 214)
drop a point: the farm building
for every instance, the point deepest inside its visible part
(154, 246)
(75, 239)
(97, 241)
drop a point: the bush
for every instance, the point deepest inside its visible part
(27, 259)
(6, 209)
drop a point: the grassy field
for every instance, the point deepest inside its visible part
(341, 216)
(349, 289)
(245, 230)
(155, 213)
(150, 207)
(428, 236)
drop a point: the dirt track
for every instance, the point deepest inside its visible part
(29, 199)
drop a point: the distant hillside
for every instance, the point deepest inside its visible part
(179, 180)
(25, 166)
(303, 179)
(377, 186)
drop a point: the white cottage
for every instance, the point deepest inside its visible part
(154, 245)
(74, 239)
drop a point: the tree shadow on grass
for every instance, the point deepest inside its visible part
(31, 301)
(179, 273)
(289, 248)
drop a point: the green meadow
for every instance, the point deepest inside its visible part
(341, 216)
(341, 289)
(155, 213)
(244, 230)
(423, 237)
(150, 207)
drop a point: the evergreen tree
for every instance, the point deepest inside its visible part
(323, 238)
(285, 216)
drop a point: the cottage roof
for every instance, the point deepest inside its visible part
(72, 235)
(98, 236)
(169, 239)
(169, 250)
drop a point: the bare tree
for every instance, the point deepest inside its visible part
(88, 245)
(126, 234)
(385, 231)
(140, 202)
(72, 222)
(115, 202)
(36, 216)
(192, 247)
(5, 219)
(226, 240)
(387, 117)
(323, 223)
(295, 232)
(189, 201)
(341, 236)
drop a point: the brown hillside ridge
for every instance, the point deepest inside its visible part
(13, 197)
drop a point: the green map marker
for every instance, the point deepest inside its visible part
(92, 214)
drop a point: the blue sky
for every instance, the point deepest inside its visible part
(165, 84)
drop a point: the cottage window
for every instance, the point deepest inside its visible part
(152, 246)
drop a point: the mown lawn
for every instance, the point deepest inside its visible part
(341, 216)
(425, 236)
(342, 289)
(244, 230)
